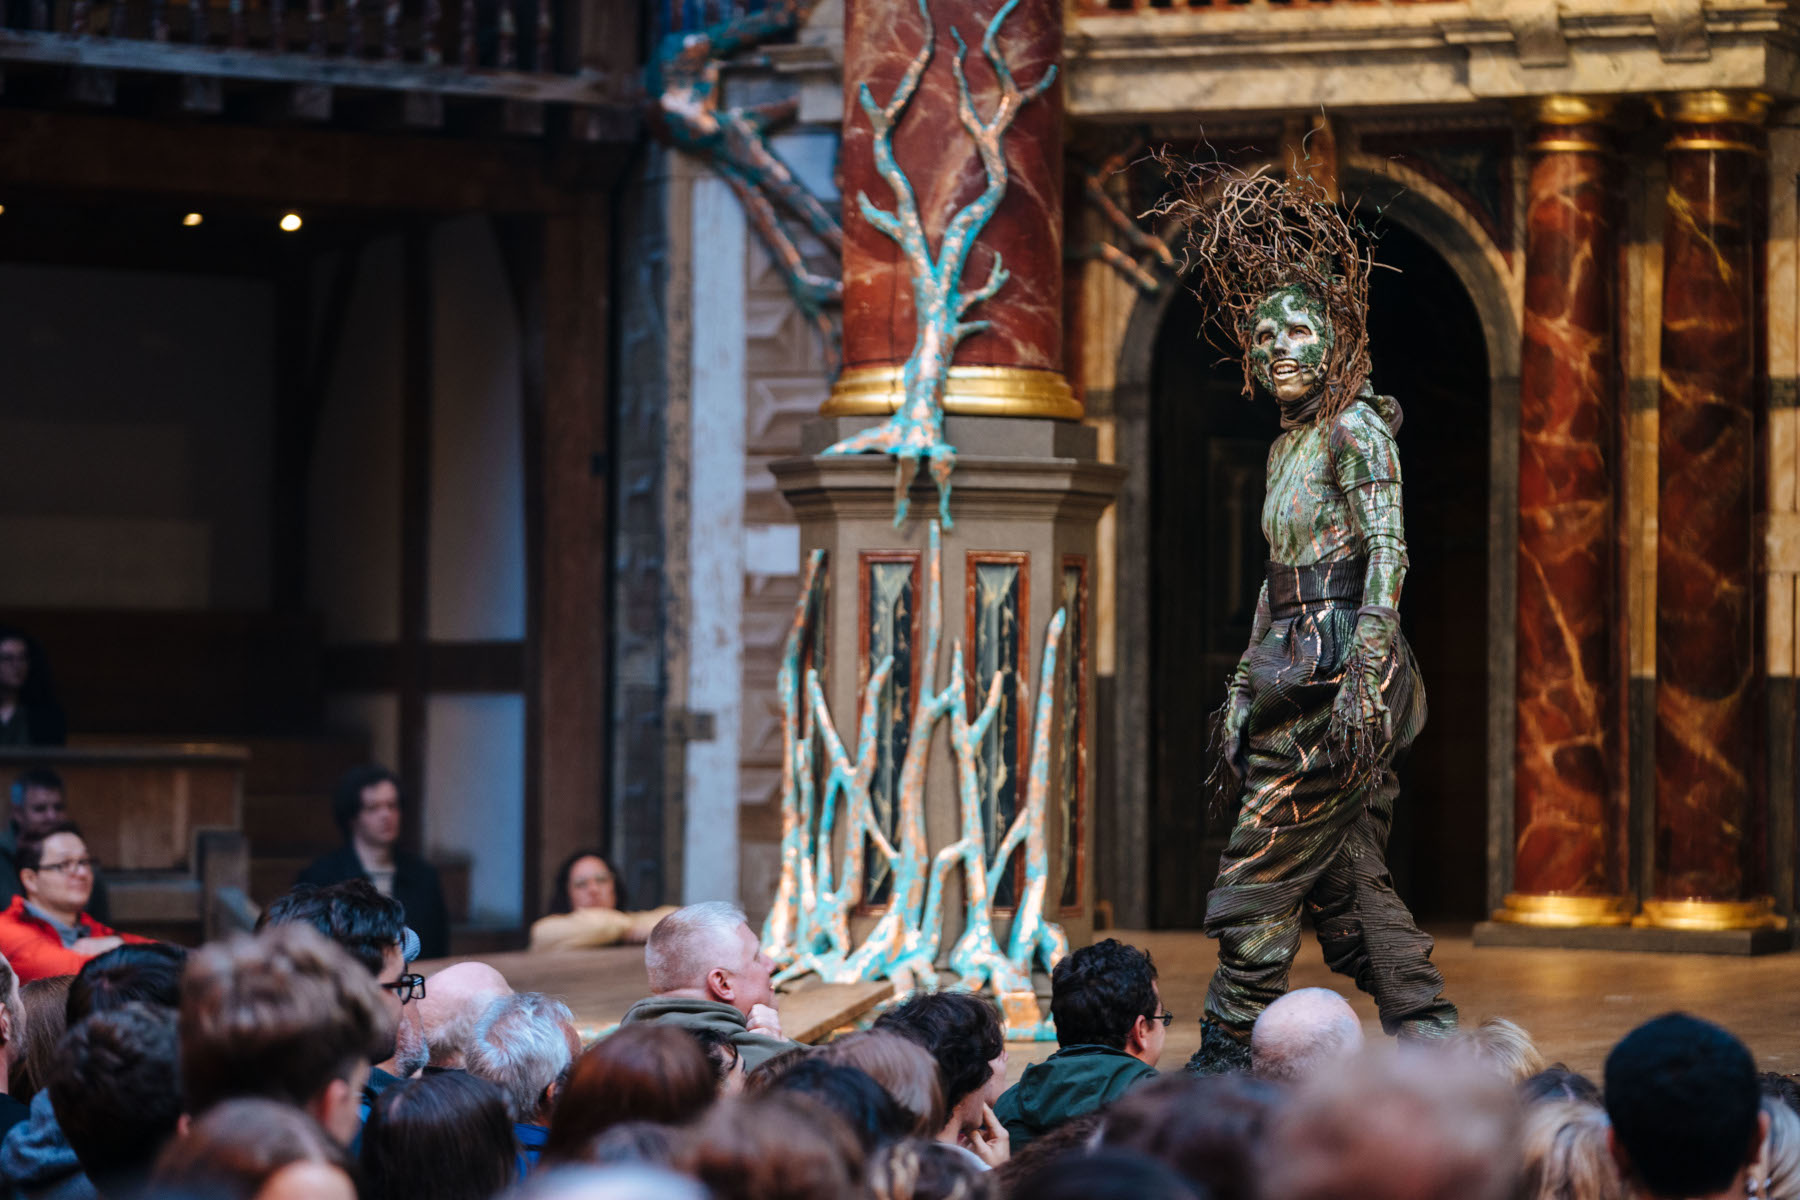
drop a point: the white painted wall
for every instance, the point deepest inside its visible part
(475, 777)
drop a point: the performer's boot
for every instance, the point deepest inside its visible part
(1220, 1052)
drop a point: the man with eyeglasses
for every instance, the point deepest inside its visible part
(48, 930)
(1110, 1027)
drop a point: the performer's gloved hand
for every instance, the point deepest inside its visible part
(1235, 720)
(1361, 725)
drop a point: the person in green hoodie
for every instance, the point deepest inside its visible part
(1110, 1026)
(707, 971)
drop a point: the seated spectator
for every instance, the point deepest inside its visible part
(863, 1106)
(905, 1071)
(255, 1149)
(35, 1157)
(640, 1073)
(1687, 1119)
(1557, 1082)
(1303, 1033)
(47, 931)
(371, 927)
(523, 1045)
(1110, 1026)
(928, 1170)
(722, 1053)
(588, 908)
(962, 1031)
(1778, 1168)
(1502, 1046)
(12, 1048)
(29, 713)
(454, 1000)
(1110, 1175)
(148, 973)
(636, 1182)
(772, 1071)
(1566, 1156)
(285, 1015)
(38, 806)
(117, 1094)
(1027, 1170)
(1209, 1129)
(774, 1146)
(706, 968)
(1781, 1087)
(1422, 1125)
(366, 806)
(446, 1136)
(45, 1004)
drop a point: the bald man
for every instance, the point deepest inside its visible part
(1303, 1033)
(454, 1000)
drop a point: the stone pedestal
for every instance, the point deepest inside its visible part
(1028, 494)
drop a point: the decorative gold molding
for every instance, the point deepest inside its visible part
(1709, 143)
(972, 391)
(1568, 146)
(1563, 912)
(1714, 107)
(1711, 916)
(1573, 110)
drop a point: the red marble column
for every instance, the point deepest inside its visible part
(1013, 367)
(1708, 821)
(1569, 802)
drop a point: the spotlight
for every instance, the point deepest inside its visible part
(290, 222)
(192, 219)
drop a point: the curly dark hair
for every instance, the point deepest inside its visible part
(559, 895)
(960, 1030)
(352, 914)
(1098, 993)
(347, 793)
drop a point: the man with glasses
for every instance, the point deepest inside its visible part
(1110, 1026)
(48, 930)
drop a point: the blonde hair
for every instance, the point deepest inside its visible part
(904, 1069)
(1504, 1046)
(1779, 1162)
(1566, 1155)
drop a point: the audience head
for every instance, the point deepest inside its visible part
(1686, 1112)
(1106, 995)
(446, 1136)
(722, 1055)
(708, 951)
(637, 1182)
(117, 1093)
(15, 661)
(1303, 1033)
(639, 1073)
(586, 880)
(1781, 1087)
(1503, 1047)
(366, 806)
(925, 1170)
(1557, 1082)
(1112, 1175)
(255, 1149)
(1779, 1166)
(962, 1032)
(774, 1146)
(773, 1069)
(905, 1071)
(12, 1019)
(44, 1004)
(38, 802)
(1032, 1164)
(864, 1107)
(56, 871)
(1208, 1130)
(642, 1142)
(285, 1015)
(455, 998)
(148, 973)
(523, 1044)
(1565, 1154)
(1414, 1125)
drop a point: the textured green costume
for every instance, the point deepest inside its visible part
(1323, 701)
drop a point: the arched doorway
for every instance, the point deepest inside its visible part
(1207, 448)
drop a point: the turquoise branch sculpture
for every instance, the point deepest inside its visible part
(916, 430)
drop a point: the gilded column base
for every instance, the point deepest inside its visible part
(971, 392)
(1711, 916)
(1563, 912)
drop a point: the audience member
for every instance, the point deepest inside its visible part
(635, 1182)
(706, 968)
(45, 1005)
(1502, 1046)
(774, 1069)
(117, 1093)
(29, 713)
(642, 1142)
(640, 1073)
(1021, 1174)
(722, 1053)
(47, 930)
(38, 806)
(1778, 1168)
(1418, 1125)
(1686, 1114)
(523, 1045)
(775, 1146)
(588, 908)
(1209, 1129)
(962, 1032)
(13, 1109)
(285, 1015)
(1557, 1082)
(1111, 1175)
(454, 1000)
(1303, 1033)
(255, 1149)
(1110, 1025)
(1782, 1087)
(928, 1170)
(148, 973)
(446, 1137)
(864, 1106)
(366, 806)
(903, 1068)
(1565, 1155)
(36, 1159)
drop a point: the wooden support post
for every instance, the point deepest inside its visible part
(415, 519)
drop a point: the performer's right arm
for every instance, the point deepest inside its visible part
(1237, 702)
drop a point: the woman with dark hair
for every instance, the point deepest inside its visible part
(29, 713)
(867, 1110)
(45, 1003)
(446, 1136)
(588, 908)
(254, 1149)
(641, 1073)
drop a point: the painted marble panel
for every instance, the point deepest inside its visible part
(890, 618)
(997, 597)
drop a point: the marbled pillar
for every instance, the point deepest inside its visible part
(1569, 807)
(1708, 822)
(940, 158)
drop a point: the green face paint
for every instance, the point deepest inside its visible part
(1291, 341)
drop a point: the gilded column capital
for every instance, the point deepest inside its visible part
(1569, 124)
(1713, 106)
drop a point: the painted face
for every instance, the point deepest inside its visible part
(591, 884)
(1290, 344)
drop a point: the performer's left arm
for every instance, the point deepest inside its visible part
(1366, 461)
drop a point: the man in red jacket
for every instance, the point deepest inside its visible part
(47, 931)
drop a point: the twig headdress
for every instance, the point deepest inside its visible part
(1252, 233)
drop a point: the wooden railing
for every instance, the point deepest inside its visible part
(1128, 7)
